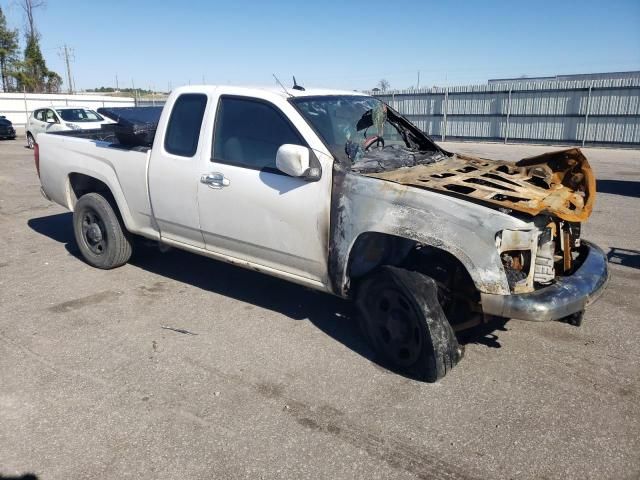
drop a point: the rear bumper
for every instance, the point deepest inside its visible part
(567, 296)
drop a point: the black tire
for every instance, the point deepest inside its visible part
(402, 319)
(30, 140)
(100, 233)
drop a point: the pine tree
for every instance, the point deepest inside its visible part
(8, 50)
(35, 67)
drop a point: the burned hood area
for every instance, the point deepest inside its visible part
(560, 183)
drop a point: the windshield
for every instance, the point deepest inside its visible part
(79, 115)
(351, 125)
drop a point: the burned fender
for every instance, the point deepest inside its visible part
(362, 204)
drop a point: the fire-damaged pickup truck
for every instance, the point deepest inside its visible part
(338, 192)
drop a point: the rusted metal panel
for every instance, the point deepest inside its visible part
(558, 183)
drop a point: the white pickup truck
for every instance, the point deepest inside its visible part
(338, 192)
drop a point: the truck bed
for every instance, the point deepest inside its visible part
(105, 134)
(67, 156)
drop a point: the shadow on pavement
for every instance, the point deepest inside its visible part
(626, 188)
(484, 334)
(26, 476)
(624, 257)
(332, 315)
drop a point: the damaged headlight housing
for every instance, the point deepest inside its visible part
(544, 269)
(517, 265)
(517, 251)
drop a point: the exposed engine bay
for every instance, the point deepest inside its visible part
(557, 183)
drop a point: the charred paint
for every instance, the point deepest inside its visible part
(363, 204)
(561, 183)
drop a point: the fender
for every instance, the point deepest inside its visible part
(112, 183)
(468, 231)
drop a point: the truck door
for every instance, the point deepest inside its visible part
(174, 170)
(249, 209)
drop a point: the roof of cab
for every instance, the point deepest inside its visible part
(261, 91)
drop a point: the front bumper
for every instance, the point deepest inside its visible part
(566, 296)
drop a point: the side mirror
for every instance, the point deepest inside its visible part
(298, 161)
(51, 120)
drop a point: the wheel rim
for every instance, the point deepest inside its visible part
(30, 141)
(394, 326)
(93, 232)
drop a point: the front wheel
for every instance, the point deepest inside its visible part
(401, 317)
(100, 233)
(30, 140)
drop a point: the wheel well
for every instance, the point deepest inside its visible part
(81, 184)
(460, 296)
(372, 249)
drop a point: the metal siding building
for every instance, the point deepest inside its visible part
(577, 112)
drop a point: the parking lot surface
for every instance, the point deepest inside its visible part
(272, 380)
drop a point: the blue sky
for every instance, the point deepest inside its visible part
(347, 44)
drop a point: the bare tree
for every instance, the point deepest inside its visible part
(29, 6)
(383, 85)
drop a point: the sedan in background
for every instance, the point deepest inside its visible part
(55, 119)
(6, 128)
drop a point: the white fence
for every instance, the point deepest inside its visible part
(18, 106)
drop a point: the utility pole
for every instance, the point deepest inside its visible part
(117, 87)
(135, 93)
(67, 54)
(66, 59)
(418, 84)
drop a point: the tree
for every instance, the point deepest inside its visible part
(383, 85)
(53, 82)
(32, 73)
(8, 50)
(29, 6)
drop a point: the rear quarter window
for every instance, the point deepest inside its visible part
(183, 129)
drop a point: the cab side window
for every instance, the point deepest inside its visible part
(248, 133)
(39, 115)
(51, 116)
(183, 130)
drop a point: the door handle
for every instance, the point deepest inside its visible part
(215, 180)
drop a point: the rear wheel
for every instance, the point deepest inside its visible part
(401, 317)
(30, 140)
(100, 233)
